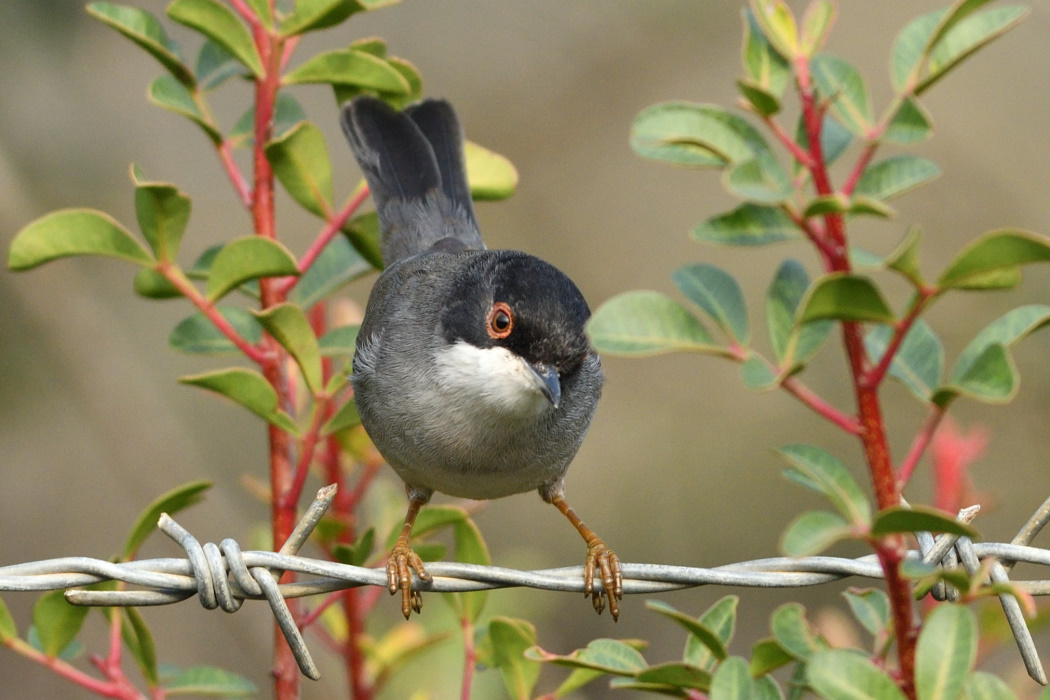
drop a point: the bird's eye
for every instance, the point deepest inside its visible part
(500, 321)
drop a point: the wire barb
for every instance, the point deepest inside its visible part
(224, 577)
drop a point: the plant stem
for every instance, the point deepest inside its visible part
(806, 395)
(225, 150)
(900, 330)
(919, 445)
(102, 688)
(470, 657)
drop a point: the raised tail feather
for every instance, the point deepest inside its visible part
(413, 162)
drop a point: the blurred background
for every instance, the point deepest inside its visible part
(679, 465)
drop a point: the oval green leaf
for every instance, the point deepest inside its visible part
(760, 180)
(73, 232)
(151, 284)
(168, 93)
(345, 418)
(991, 378)
(845, 297)
(299, 159)
(353, 68)
(716, 292)
(816, 23)
(732, 680)
(677, 675)
(793, 632)
(247, 388)
(763, 65)
(778, 25)
(995, 251)
(163, 212)
(216, 65)
(510, 638)
(946, 652)
(894, 176)
(1006, 330)
(178, 499)
(911, 123)
(843, 84)
(289, 326)
(919, 361)
(218, 23)
(336, 266)
(339, 342)
(491, 176)
(821, 471)
(144, 29)
(843, 674)
(139, 640)
(706, 636)
(918, 519)
(720, 618)
(208, 680)
(363, 233)
(984, 686)
(647, 323)
(767, 656)
(697, 135)
(8, 628)
(747, 225)
(248, 258)
(197, 335)
(57, 622)
(311, 15)
(871, 607)
(813, 532)
(966, 37)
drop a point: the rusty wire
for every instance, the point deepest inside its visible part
(222, 576)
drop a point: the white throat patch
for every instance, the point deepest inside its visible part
(492, 379)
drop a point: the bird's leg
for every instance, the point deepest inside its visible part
(403, 559)
(599, 557)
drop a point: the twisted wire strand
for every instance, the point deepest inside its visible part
(222, 576)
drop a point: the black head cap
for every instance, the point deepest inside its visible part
(543, 311)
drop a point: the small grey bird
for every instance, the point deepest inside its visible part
(472, 374)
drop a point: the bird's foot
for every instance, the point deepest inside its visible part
(607, 564)
(403, 561)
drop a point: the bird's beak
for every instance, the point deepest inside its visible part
(546, 377)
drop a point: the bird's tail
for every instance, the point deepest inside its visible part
(413, 162)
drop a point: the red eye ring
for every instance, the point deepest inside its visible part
(500, 321)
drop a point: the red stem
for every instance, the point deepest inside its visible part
(225, 150)
(919, 445)
(470, 659)
(306, 454)
(890, 550)
(103, 688)
(797, 152)
(810, 399)
(858, 168)
(875, 376)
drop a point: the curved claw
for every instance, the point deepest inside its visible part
(399, 577)
(605, 561)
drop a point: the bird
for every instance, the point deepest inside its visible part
(472, 373)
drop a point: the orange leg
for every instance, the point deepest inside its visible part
(599, 557)
(403, 561)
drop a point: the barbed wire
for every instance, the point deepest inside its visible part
(223, 576)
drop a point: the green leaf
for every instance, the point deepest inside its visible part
(765, 688)
(1006, 330)
(732, 680)
(57, 622)
(845, 297)
(411, 75)
(760, 180)
(720, 618)
(747, 225)
(8, 629)
(718, 294)
(163, 213)
(247, 388)
(861, 205)
(676, 675)
(794, 634)
(490, 175)
(300, 161)
(248, 258)
(946, 652)
(834, 139)
(992, 252)
(647, 323)
(910, 49)
(843, 84)
(289, 326)
(510, 639)
(792, 343)
(778, 25)
(336, 266)
(992, 378)
(813, 532)
(350, 67)
(763, 65)
(287, 112)
(910, 124)
(345, 418)
(217, 22)
(605, 655)
(262, 10)
(763, 102)
(209, 681)
(904, 259)
(984, 686)
(767, 656)
(696, 135)
(966, 37)
(198, 335)
(824, 473)
(470, 549)
(340, 341)
(144, 29)
(871, 607)
(216, 65)
(73, 232)
(894, 176)
(151, 284)
(841, 674)
(694, 626)
(828, 204)
(919, 360)
(899, 519)
(363, 233)
(139, 640)
(358, 553)
(168, 93)
(311, 15)
(816, 23)
(756, 374)
(178, 499)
